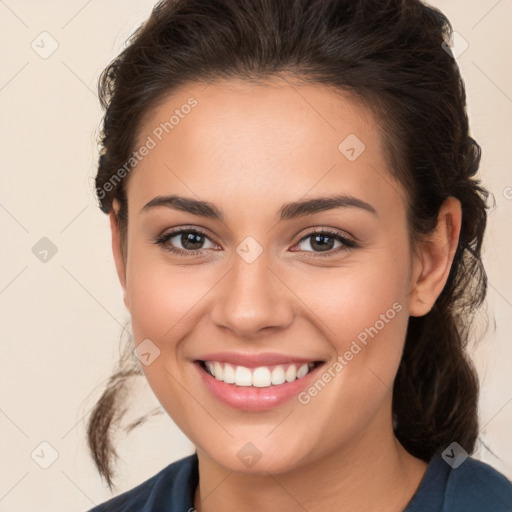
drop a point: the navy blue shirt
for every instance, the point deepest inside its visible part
(472, 487)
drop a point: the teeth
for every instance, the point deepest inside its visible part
(229, 374)
(218, 371)
(303, 370)
(291, 373)
(243, 376)
(278, 375)
(260, 377)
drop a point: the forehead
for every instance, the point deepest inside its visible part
(250, 144)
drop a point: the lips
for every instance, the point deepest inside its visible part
(255, 382)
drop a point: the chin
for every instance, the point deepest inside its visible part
(247, 457)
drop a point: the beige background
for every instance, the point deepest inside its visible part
(61, 320)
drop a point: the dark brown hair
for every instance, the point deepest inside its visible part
(389, 54)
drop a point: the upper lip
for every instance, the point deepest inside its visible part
(254, 360)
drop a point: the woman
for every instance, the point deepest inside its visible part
(297, 230)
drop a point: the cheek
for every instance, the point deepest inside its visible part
(364, 317)
(162, 300)
(352, 299)
(162, 297)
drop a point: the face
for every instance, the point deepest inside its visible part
(253, 288)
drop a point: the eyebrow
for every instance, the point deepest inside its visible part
(288, 211)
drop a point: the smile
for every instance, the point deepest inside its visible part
(255, 383)
(260, 377)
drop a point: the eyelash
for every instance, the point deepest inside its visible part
(348, 244)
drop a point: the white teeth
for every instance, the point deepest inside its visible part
(243, 376)
(229, 374)
(278, 375)
(218, 371)
(260, 377)
(303, 370)
(291, 373)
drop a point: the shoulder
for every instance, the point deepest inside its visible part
(170, 489)
(476, 486)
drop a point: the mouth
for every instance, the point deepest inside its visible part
(256, 388)
(259, 377)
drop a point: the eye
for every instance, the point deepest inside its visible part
(324, 240)
(191, 241)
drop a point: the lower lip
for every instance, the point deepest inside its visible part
(252, 398)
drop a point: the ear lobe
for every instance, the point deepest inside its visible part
(433, 262)
(117, 251)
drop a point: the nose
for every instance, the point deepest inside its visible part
(252, 299)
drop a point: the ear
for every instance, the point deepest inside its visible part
(117, 250)
(434, 258)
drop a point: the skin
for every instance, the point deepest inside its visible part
(248, 149)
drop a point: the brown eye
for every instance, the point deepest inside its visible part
(191, 241)
(325, 240)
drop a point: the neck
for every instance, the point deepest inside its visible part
(371, 472)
